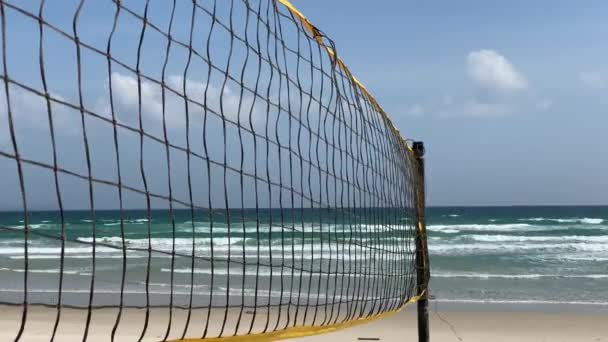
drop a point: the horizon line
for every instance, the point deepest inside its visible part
(337, 208)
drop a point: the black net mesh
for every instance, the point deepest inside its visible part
(193, 169)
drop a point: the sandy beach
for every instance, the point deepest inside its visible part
(454, 326)
(446, 325)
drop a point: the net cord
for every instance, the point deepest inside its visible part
(369, 139)
(326, 326)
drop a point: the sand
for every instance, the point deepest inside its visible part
(482, 326)
(448, 325)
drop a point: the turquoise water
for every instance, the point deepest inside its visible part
(478, 255)
(241, 257)
(530, 255)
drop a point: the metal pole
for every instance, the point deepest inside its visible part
(422, 257)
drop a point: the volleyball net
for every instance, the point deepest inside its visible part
(176, 170)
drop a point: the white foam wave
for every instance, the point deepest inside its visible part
(514, 247)
(521, 238)
(97, 291)
(264, 271)
(507, 227)
(130, 255)
(275, 294)
(31, 226)
(218, 292)
(450, 231)
(515, 276)
(519, 301)
(51, 271)
(234, 245)
(53, 250)
(111, 248)
(481, 227)
(264, 228)
(584, 220)
(592, 220)
(578, 257)
(166, 244)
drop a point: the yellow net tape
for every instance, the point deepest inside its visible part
(276, 197)
(315, 33)
(302, 331)
(295, 332)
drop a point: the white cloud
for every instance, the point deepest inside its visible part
(492, 71)
(127, 101)
(498, 89)
(125, 90)
(594, 79)
(29, 112)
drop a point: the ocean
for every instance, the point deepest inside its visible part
(478, 255)
(534, 255)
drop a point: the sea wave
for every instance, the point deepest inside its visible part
(251, 244)
(514, 276)
(87, 290)
(50, 271)
(451, 215)
(515, 247)
(584, 220)
(218, 292)
(522, 238)
(32, 226)
(130, 255)
(264, 271)
(570, 257)
(450, 231)
(112, 247)
(307, 227)
(52, 250)
(163, 243)
(455, 228)
(508, 227)
(518, 301)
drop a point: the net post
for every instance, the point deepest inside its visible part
(422, 257)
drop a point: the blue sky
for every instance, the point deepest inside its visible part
(511, 98)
